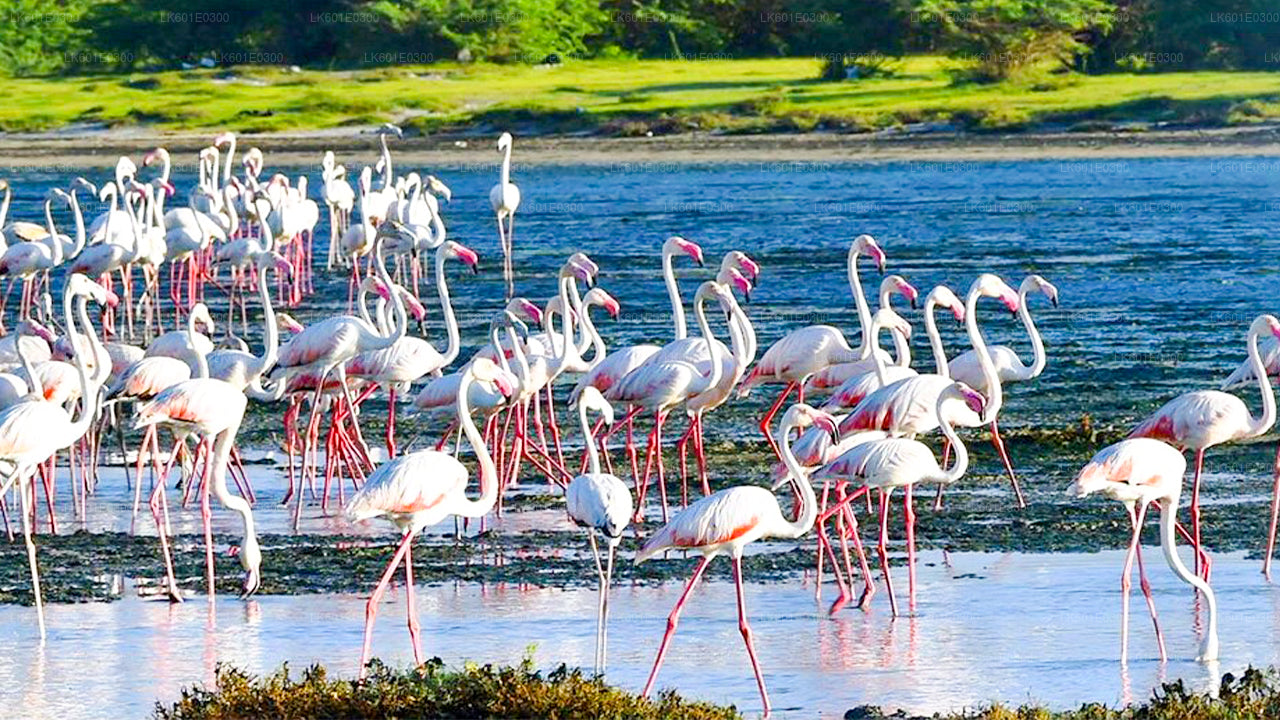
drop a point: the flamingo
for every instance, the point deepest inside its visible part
(801, 353)
(834, 376)
(897, 462)
(339, 198)
(25, 260)
(1009, 367)
(32, 431)
(905, 407)
(420, 489)
(1138, 472)
(600, 502)
(729, 520)
(1201, 419)
(504, 198)
(239, 367)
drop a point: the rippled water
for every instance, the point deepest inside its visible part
(1161, 265)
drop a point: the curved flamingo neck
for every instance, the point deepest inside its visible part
(101, 360)
(1168, 513)
(961, 463)
(593, 455)
(55, 245)
(36, 390)
(1268, 418)
(4, 206)
(78, 213)
(563, 352)
(506, 166)
(877, 358)
(673, 292)
(808, 502)
(272, 333)
(202, 363)
(89, 396)
(935, 338)
(386, 163)
(859, 299)
(249, 549)
(901, 347)
(446, 308)
(231, 153)
(700, 312)
(488, 484)
(995, 394)
(1039, 359)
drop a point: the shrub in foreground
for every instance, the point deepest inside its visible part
(430, 691)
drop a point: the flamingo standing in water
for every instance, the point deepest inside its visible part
(897, 462)
(729, 520)
(420, 489)
(599, 501)
(504, 198)
(803, 352)
(1138, 472)
(1009, 367)
(1200, 419)
(32, 431)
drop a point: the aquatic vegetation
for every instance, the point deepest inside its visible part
(475, 691)
(1254, 694)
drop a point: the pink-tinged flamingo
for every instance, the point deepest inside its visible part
(1009, 366)
(902, 463)
(801, 353)
(729, 520)
(410, 358)
(906, 408)
(600, 502)
(420, 489)
(504, 198)
(32, 431)
(661, 386)
(833, 376)
(340, 199)
(1138, 472)
(1200, 419)
(28, 259)
(239, 367)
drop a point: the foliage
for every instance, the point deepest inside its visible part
(1002, 37)
(39, 36)
(430, 691)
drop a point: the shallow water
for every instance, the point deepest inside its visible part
(1011, 627)
(1161, 265)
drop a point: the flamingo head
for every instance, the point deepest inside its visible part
(461, 252)
(504, 142)
(971, 397)
(899, 284)
(942, 295)
(485, 370)
(35, 329)
(83, 184)
(803, 416)
(1035, 282)
(125, 168)
(732, 277)
(225, 138)
(274, 259)
(391, 129)
(992, 286)
(157, 155)
(201, 316)
(579, 270)
(886, 319)
(4, 185)
(597, 296)
(675, 244)
(413, 305)
(1265, 323)
(580, 258)
(251, 560)
(522, 306)
(169, 189)
(743, 263)
(439, 188)
(286, 324)
(590, 399)
(866, 245)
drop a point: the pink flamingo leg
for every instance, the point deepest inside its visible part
(371, 608)
(414, 628)
(909, 519)
(672, 621)
(206, 516)
(869, 587)
(766, 423)
(1008, 466)
(391, 424)
(1146, 589)
(700, 447)
(884, 547)
(157, 492)
(745, 629)
(555, 427)
(824, 542)
(1275, 515)
(1195, 514)
(657, 451)
(1126, 584)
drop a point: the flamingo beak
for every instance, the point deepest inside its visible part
(975, 401)
(828, 423)
(750, 267)
(911, 293)
(112, 299)
(504, 386)
(958, 311)
(1010, 301)
(533, 311)
(252, 583)
(612, 307)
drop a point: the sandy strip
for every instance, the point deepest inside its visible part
(57, 152)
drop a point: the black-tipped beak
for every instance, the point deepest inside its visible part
(251, 584)
(1054, 300)
(913, 303)
(475, 269)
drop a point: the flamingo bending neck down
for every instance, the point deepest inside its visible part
(725, 522)
(1138, 472)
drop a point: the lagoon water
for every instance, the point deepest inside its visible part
(1161, 264)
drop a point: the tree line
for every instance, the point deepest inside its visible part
(854, 36)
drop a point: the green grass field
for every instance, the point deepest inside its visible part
(623, 97)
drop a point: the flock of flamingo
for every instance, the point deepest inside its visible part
(74, 380)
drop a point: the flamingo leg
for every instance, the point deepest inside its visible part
(414, 627)
(1146, 586)
(206, 517)
(391, 424)
(27, 511)
(909, 519)
(157, 494)
(766, 423)
(869, 588)
(1126, 584)
(884, 547)
(1275, 515)
(1008, 466)
(699, 447)
(602, 590)
(604, 632)
(745, 629)
(371, 607)
(672, 621)
(1195, 513)
(555, 426)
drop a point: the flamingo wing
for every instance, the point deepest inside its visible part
(1124, 469)
(599, 501)
(413, 484)
(737, 514)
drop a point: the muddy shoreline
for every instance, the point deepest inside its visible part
(56, 151)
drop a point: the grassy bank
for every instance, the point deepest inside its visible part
(624, 97)
(502, 692)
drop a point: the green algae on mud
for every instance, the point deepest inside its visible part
(429, 691)
(1253, 695)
